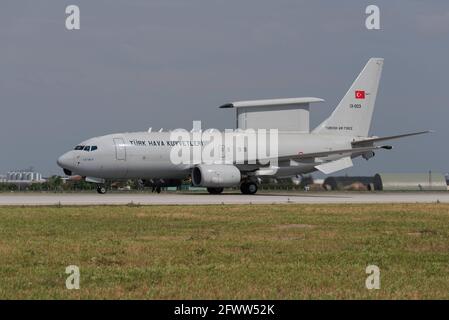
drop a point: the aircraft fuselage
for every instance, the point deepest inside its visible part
(146, 155)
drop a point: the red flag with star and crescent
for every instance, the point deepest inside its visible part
(360, 94)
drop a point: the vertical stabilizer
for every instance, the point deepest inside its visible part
(352, 116)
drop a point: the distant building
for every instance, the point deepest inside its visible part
(345, 182)
(2, 178)
(22, 178)
(31, 176)
(410, 181)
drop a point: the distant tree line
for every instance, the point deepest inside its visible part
(57, 184)
(54, 183)
(4, 186)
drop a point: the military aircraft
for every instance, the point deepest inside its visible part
(330, 147)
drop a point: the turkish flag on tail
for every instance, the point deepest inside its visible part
(360, 94)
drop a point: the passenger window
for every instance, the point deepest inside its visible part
(86, 148)
(93, 148)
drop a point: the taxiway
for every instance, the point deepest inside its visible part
(227, 198)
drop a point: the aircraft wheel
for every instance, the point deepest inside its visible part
(101, 189)
(244, 188)
(215, 190)
(252, 188)
(248, 188)
(158, 189)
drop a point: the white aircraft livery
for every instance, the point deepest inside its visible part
(277, 126)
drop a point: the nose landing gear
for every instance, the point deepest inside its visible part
(101, 189)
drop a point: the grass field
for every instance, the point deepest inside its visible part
(225, 251)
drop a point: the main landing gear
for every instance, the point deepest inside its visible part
(248, 187)
(101, 189)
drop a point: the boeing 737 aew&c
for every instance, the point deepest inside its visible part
(152, 157)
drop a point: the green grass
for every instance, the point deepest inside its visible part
(225, 251)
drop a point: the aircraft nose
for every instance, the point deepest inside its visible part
(64, 161)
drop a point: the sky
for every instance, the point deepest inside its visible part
(162, 64)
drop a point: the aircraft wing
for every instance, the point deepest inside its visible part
(312, 155)
(377, 139)
(358, 147)
(326, 167)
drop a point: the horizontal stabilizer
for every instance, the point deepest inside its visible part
(377, 139)
(333, 166)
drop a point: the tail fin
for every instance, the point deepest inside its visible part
(352, 117)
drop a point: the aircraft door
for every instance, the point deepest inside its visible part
(120, 149)
(119, 166)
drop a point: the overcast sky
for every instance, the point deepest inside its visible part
(139, 64)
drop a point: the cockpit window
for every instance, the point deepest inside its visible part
(86, 148)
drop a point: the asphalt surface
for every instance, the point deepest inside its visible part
(201, 198)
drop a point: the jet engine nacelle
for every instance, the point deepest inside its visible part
(215, 176)
(296, 180)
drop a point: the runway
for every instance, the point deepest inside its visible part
(38, 199)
